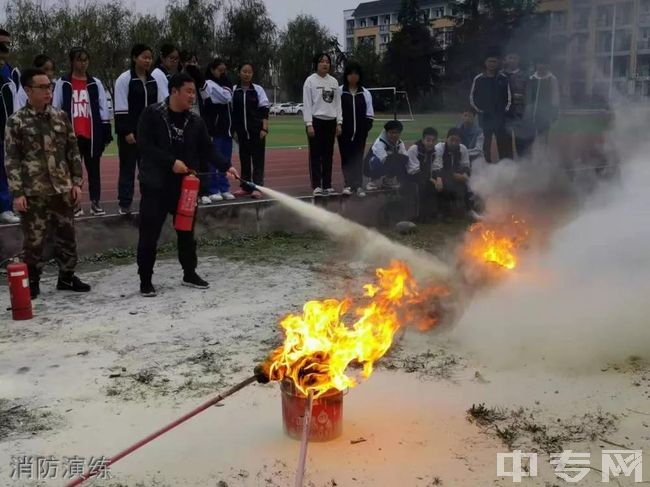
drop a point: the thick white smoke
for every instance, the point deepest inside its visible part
(584, 299)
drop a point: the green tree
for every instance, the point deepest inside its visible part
(191, 25)
(303, 38)
(248, 34)
(410, 55)
(29, 23)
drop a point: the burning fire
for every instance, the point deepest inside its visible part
(496, 243)
(332, 334)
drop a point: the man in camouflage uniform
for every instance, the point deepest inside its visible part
(44, 172)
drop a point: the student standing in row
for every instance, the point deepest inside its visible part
(542, 101)
(216, 95)
(490, 96)
(166, 66)
(7, 70)
(83, 98)
(135, 89)
(323, 117)
(6, 110)
(515, 116)
(250, 115)
(358, 115)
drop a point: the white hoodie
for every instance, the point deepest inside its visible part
(321, 98)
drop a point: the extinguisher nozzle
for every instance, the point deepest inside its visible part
(248, 185)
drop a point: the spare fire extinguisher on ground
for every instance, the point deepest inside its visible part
(187, 203)
(21, 300)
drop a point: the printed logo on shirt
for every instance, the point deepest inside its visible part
(80, 104)
(328, 95)
(178, 134)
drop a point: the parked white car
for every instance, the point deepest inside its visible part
(286, 109)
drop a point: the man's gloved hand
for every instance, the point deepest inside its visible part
(196, 75)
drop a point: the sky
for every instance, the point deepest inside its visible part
(328, 12)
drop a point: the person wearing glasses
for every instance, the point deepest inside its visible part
(45, 178)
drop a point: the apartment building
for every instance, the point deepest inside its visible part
(599, 48)
(375, 22)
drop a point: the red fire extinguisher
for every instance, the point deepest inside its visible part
(21, 300)
(187, 203)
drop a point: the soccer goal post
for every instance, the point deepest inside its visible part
(391, 104)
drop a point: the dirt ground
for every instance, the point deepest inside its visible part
(89, 375)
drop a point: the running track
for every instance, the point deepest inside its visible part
(286, 170)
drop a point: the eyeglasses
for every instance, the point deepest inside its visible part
(48, 87)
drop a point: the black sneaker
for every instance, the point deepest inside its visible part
(96, 209)
(147, 290)
(34, 289)
(193, 280)
(72, 284)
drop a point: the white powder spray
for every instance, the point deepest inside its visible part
(586, 300)
(370, 244)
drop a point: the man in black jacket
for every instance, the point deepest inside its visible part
(173, 141)
(491, 97)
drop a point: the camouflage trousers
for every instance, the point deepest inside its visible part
(45, 213)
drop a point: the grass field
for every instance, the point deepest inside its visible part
(288, 131)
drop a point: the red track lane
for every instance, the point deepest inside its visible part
(286, 170)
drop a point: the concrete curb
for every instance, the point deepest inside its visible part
(227, 219)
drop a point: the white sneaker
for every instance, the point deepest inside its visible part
(9, 217)
(372, 186)
(228, 195)
(205, 200)
(318, 192)
(79, 212)
(361, 193)
(216, 197)
(347, 191)
(330, 192)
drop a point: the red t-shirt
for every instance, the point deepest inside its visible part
(81, 108)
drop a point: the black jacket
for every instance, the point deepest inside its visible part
(250, 106)
(155, 145)
(491, 98)
(358, 114)
(6, 104)
(101, 134)
(132, 96)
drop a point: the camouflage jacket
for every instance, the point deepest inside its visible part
(41, 153)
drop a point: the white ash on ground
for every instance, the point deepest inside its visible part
(110, 367)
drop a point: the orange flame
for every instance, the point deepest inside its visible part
(496, 244)
(319, 344)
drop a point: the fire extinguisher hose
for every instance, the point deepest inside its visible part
(258, 377)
